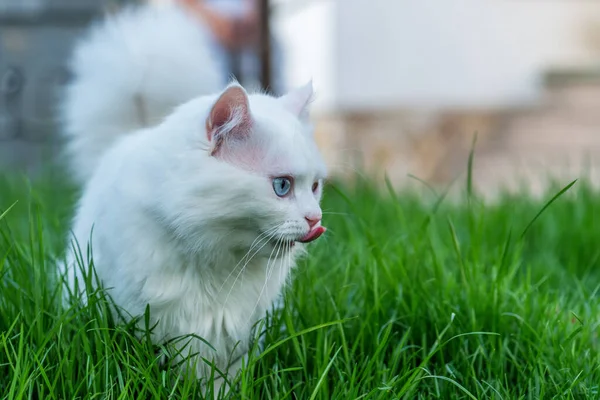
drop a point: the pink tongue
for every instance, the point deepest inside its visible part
(313, 235)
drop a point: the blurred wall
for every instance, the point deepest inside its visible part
(307, 31)
(373, 54)
(35, 40)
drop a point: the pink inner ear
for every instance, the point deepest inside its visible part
(228, 118)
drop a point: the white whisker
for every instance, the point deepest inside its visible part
(280, 245)
(263, 237)
(289, 259)
(247, 262)
(268, 272)
(335, 213)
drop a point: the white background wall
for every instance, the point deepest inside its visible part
(307, 31)
(431, 53)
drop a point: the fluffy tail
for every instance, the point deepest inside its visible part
(129, 72)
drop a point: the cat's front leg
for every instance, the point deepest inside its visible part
(221, 386)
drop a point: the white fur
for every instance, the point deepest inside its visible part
(171, 223)
(131, 71)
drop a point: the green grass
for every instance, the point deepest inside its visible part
(406, 297)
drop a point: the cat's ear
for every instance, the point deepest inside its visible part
(298, 100)
(229, 118)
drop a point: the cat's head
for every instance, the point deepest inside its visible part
(270, 172)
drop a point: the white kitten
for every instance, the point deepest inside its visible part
(131, 70)
(202, 216)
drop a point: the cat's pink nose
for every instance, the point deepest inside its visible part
(312, 221)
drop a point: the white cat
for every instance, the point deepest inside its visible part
(201, 216)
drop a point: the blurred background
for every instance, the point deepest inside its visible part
(402, 86)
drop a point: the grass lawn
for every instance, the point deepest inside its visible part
(405, 297)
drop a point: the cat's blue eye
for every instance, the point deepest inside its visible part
(282, 186)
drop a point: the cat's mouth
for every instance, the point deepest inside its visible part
(284, 244)
(312, 235)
